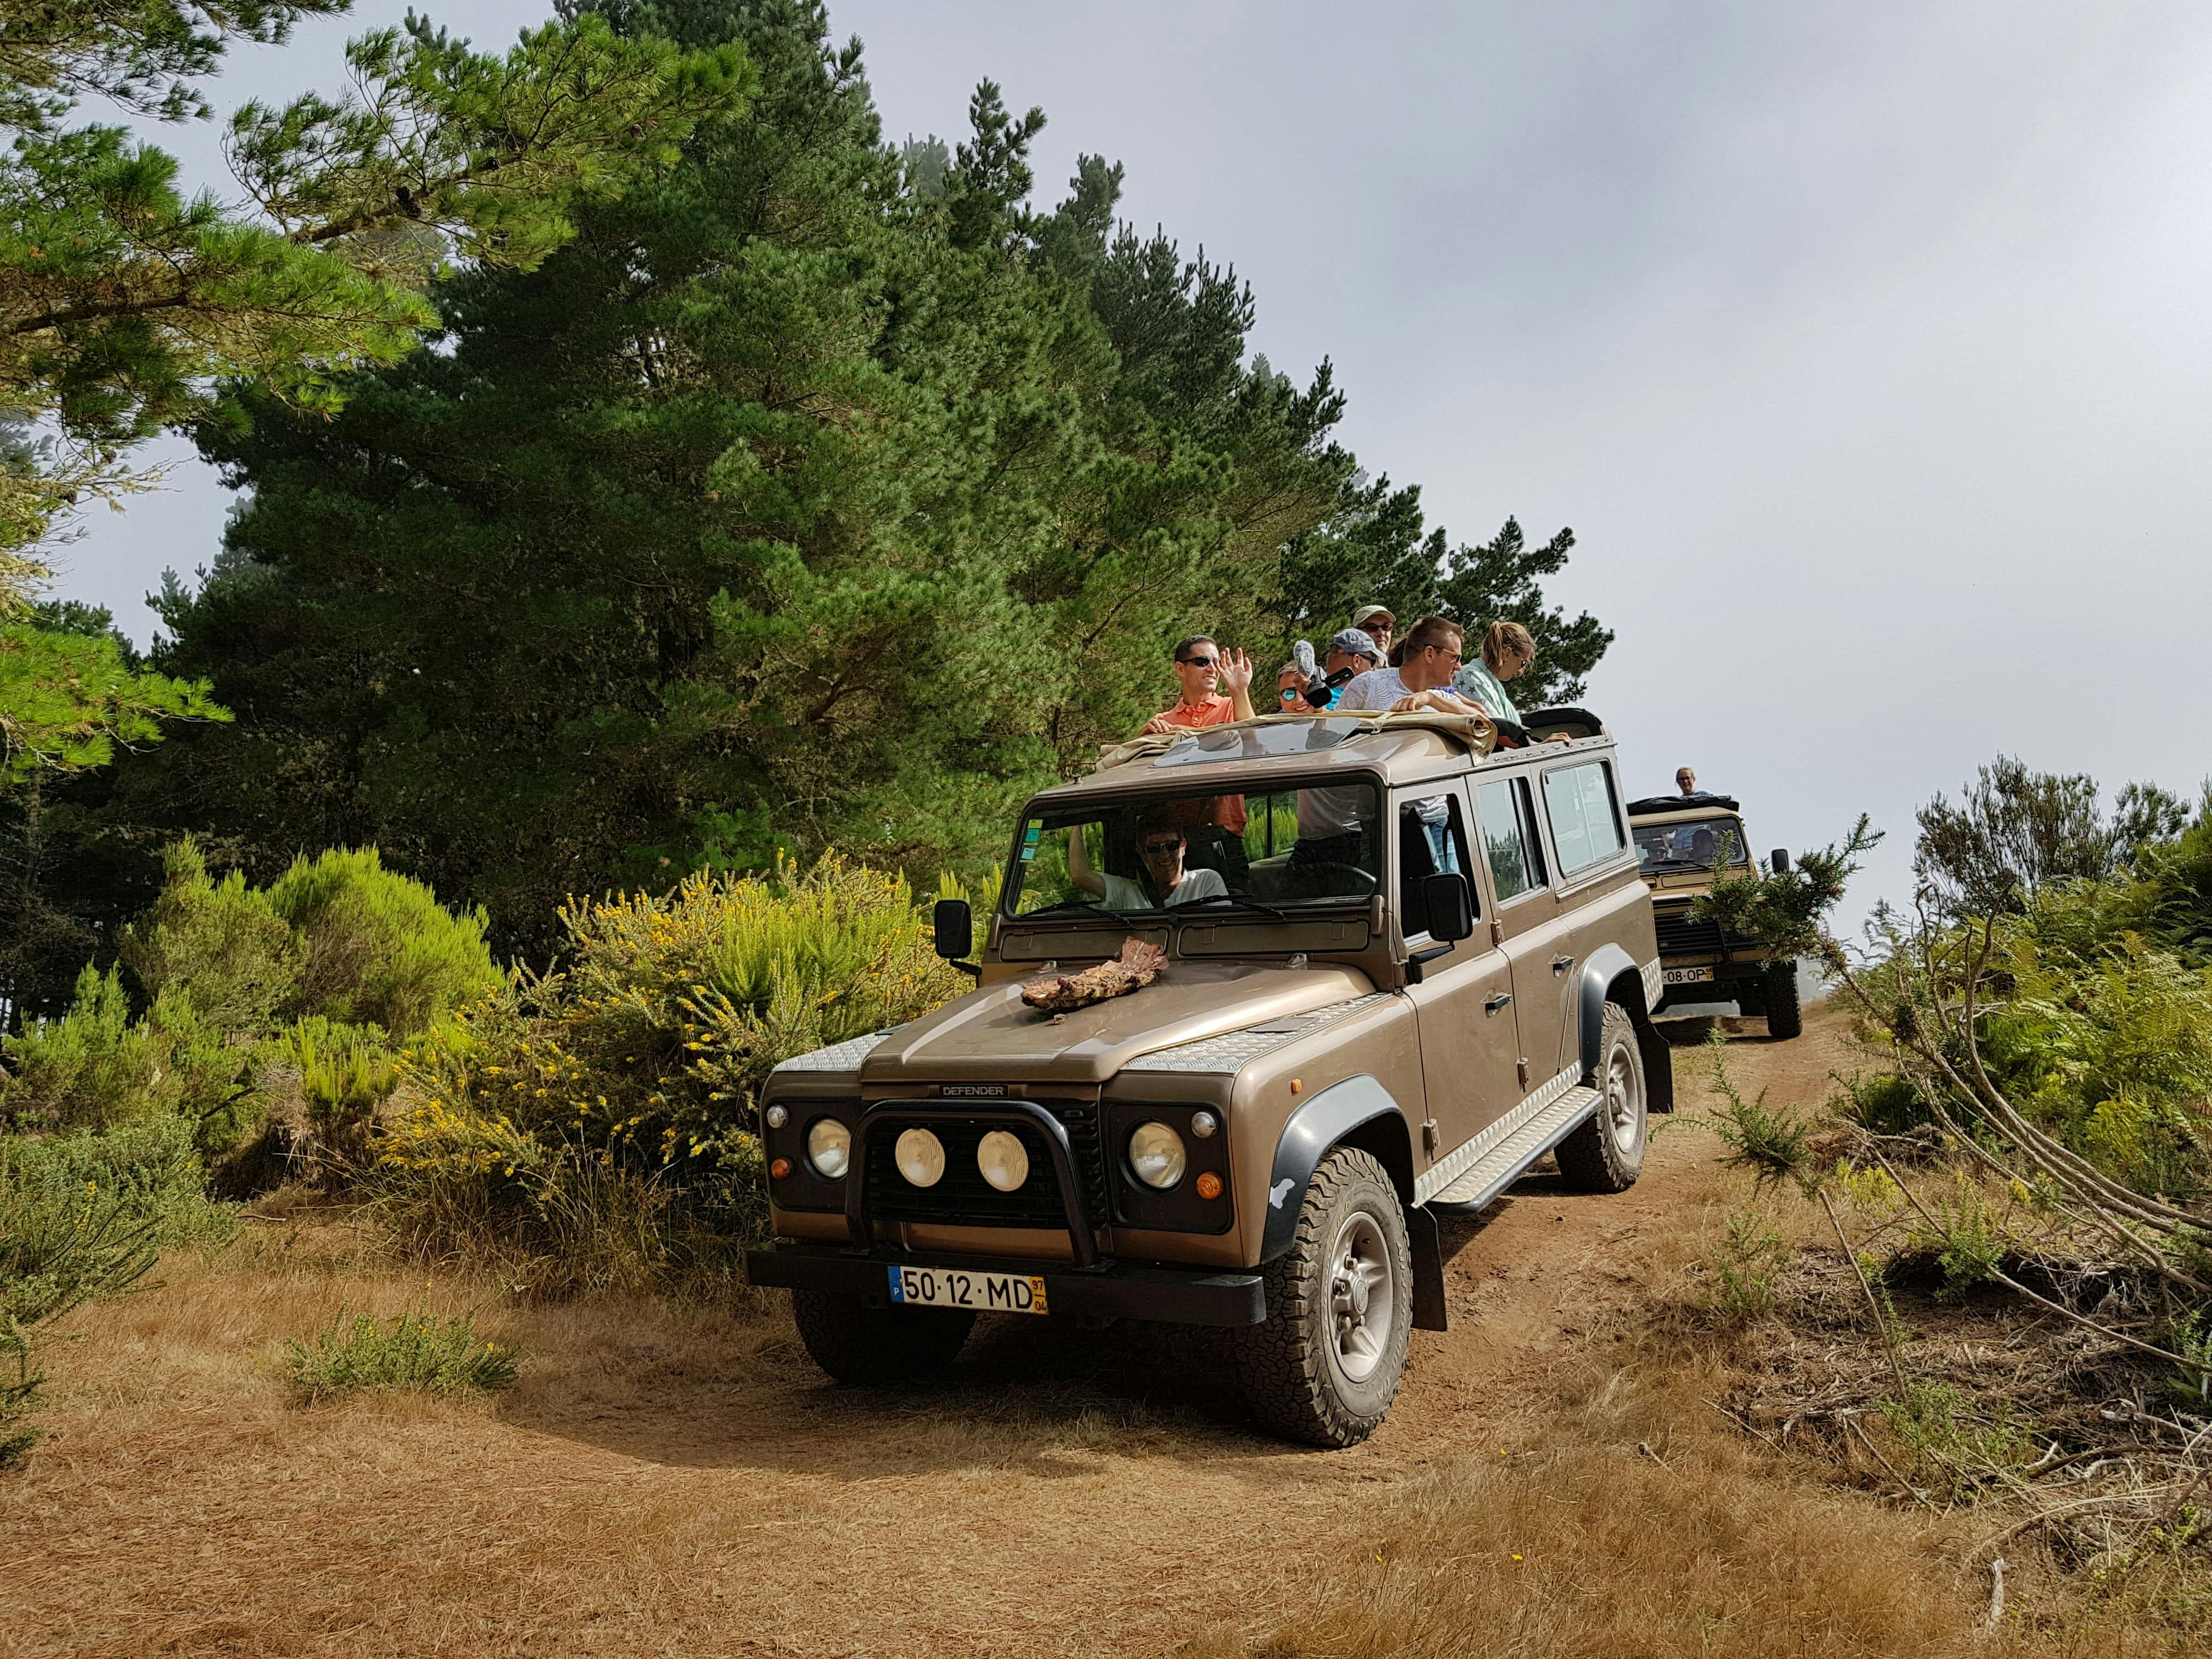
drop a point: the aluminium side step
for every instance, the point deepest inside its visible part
(1502, 1164)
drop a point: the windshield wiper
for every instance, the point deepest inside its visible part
(1229, 898)
(1066, 905)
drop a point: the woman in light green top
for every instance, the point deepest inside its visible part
(1507, 651)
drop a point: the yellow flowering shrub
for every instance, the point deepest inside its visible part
(640, 1060)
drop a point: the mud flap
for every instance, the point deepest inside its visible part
(1429, 1313)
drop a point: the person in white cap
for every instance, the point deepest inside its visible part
(1377, 624)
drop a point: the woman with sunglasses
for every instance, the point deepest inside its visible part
(1160, 846)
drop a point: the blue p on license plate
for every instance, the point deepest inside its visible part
(956, 1287)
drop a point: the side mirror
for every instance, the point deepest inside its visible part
(954, 924)
(1779, 858)
(1450, 904)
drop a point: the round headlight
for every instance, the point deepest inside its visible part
(777, 1117)
(921, 1158)
(1155, 1154)
(829, 1148)
(1003, 1161)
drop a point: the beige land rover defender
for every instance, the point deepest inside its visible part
(1400, 967)
(1682, 842)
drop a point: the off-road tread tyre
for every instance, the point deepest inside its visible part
(1591, 1159)
(864, 1345)
(1785, 1018)
(1281, 1366)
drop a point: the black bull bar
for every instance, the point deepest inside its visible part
(1094, 1288)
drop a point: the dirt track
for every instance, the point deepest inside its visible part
(665, 1483)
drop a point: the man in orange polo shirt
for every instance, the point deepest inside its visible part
(1217, 835)
(1200, 667)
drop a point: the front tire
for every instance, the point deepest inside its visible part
(1784, 1016)
(858, 1343)
(1327, 1361)
(1606, 1154)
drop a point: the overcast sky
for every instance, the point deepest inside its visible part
(1867, 350)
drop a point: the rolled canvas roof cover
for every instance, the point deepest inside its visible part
(1681, 803)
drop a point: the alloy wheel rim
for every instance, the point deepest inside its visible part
(1362, 1296)
(1622, 1100)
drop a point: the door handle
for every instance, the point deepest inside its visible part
(1560, 964)
(1497, 1000)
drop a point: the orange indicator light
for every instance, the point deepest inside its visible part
(781, 1167)
(1209, 1185)
(1296, 1087)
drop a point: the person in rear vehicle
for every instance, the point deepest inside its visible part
(1377, 624)
(1686, 781)
(1426, 659)
(1507, 652)
(1161, 845)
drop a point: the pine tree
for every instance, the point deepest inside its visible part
(820, 491)
(123, 302)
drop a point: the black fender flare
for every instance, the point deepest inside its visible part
(1611, 975)
(1359, 1111)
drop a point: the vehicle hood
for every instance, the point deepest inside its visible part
(991, 1036)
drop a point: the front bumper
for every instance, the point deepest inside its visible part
(1175, 1295)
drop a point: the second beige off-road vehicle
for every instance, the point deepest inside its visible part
(1683, 841)
(1400, 967)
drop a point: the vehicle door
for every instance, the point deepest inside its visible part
(1463, 1003)
(1588, 843)
(1527, 921)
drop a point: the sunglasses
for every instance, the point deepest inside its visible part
(1198, 662)
(1152, 849)
(1290, 694)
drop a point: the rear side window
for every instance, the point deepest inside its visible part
(1508, 822)
(1585, 825)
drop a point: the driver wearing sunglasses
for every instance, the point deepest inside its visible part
(1160, 846)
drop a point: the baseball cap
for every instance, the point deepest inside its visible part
(1354, 642)
(1367, 613)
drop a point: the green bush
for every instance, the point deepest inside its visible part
(416, 1351)
(2113, 1054)
(222, 943)
(82, 1217)
(96, 1066)
(1743, 1267)
(376, 947)
(150, 1169)
(602, 1119)
(339, 947)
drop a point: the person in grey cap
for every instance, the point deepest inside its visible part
(1377, 624)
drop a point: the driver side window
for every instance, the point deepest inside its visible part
(1432, 840)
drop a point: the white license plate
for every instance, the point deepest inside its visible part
(1687, 975)
(956, 1287)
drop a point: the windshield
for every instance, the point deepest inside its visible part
(1695, 844)
(1263, 852)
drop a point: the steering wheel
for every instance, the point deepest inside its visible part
(1310, 876)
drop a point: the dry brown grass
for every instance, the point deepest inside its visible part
(669, 1479)
(1636, 1524)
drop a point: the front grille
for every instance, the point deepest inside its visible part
(1682, 935)
(963, 1198)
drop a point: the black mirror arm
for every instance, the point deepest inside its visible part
(967, 967)
(1420, 959)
